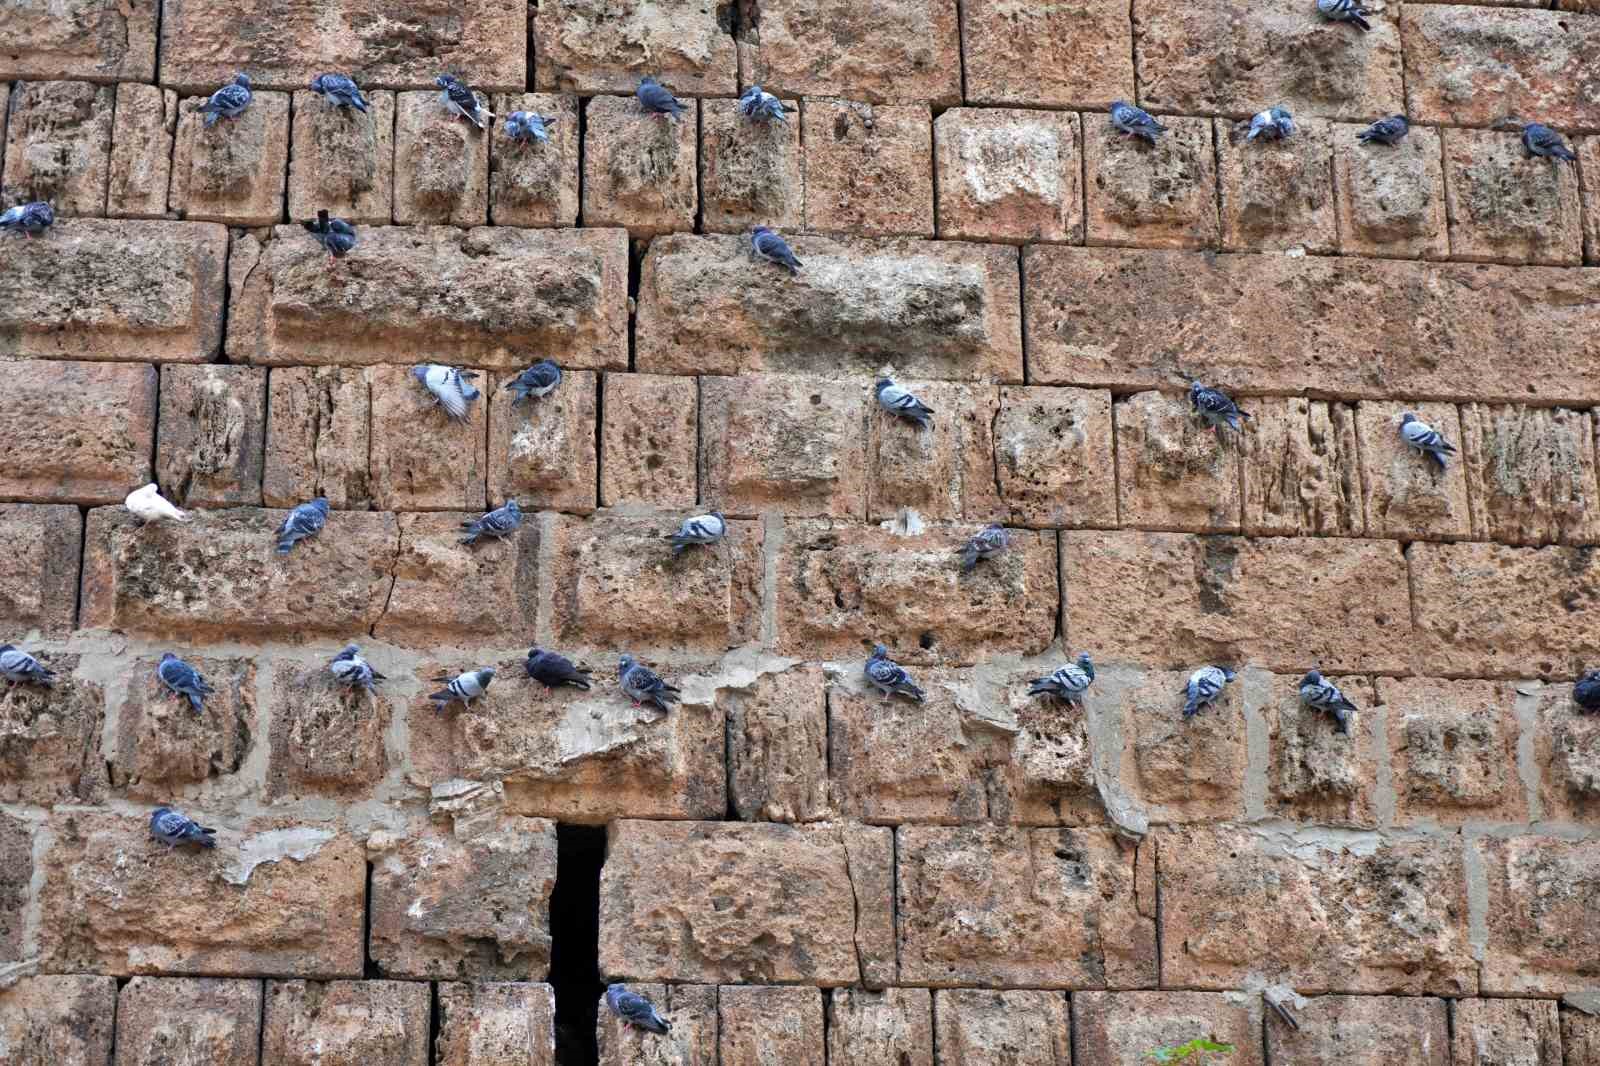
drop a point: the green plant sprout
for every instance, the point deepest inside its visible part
(1180, 1052)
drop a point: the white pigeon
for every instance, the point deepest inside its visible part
(150, 506)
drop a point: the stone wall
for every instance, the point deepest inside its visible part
(793, 868)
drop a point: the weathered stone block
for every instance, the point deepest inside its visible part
(1277, 194)
(868, 169)
(1566, 749)
(325, 737)
(648, 440)
(50, 739)
(78, 432)
(604, 46)
(421, 458)
(39, 572)
(1045, 908)
(542, 450)
(161, 744)
(58, 1021)
(757, 1025)
(872, 1028)
(1365, 1031)
(497, 297)
(1531, 473)
(99, 40)
(210, 450)
(343, 160)
(1542, 892)
(841, 589)
(446, 592)
(1054, 456)
(1588, 149)
(1186, 770)
(535, 184)
(1174, 471)
(279, 897)
(1508, 207)
(692, 1010)
(639, 169)
(1161, 195)
(1405, 494)
(1301, 469)
(937, 310)
(346, 1023)
(945, 472)
(233, 171)
(1053, 55)
(319, 421)
(1520, 1031)
(1391, 918)
(1115, 1027)
(750, 170)
(1390, 199)
(1316, 772)
(777, 730)
(907, 50)
(58, 145)
(140, 167)
(1012, 176)
(977, 1026)
(188, 1019)
(441, 163)
(496, 1024)
(16, 877)
(1580, 1038)
(1453, 750)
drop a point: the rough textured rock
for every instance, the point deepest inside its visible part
(1316, 773)
(441, 163)
(903, 51)
(757, 1025)
(140, 167)
(1055, 55)
(161, 744)
(542, 451)
(1050, 908)
(421, 458)
(1580, 1037)
(1185, 770)
(1508, 207)
(58, 145)
(1006, 175)
(217, 576)
(1301, 469)
(977, 1026)
(778, 763)
(750, 171)
(535, 185)
(691, 1042)
(497, 298)
(648, 441)
(1115, 1027)
(325, 737)
(639, 169)
(496, 1024)
(233, 171)
(188, 1019)
(868, 169)
(1277, 194)
(942, 473)
(1390, 198)
(1453, 750)
(1405, 494)
(50, 738)
(1365, 1031)
(1390, 918)
(1588, 149)
(80, 432)
(280, 897)
(157, 288)
(16, 875)
(1531, 474)
(1053, 456)
(58, 1021)
(447, 593)
(346, 1023)
(319, 422)
(1566, 749)
(343, 160)
(97, 40)
(1541, 892)
(872, 1028)
(1516, 1031)
(1174, 471)
(1161, 195)
(603, 46)
(39, 574)
(210, 450)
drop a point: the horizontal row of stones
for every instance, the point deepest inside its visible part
(844, 167)
(825, 904)
(352, 1023)
(1450, 64)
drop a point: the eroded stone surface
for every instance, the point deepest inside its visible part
(1187, 770)
(1588, 149)
(1453, 750)
(510, 1024)
(535, 184)
(1531, 473)
(757, 1025)
(213, 426)
(778, 747)
(1507, 206)
(1541, 891)
(39, 574)
(1390, 197)
(58, 1021)
(319, 422)
(421, 458)
(441, 163)
(977, 1026)
(188, 1019)
(1053, 456)
(1115, 1027)
(140, 168)
(1318, 773)
(346, 1023)
(343, 160)
(448, 593)
(1406, 494)
(325, 737)
(639, 169)
(78, 432)
(232, 171)
(1007, 175)
(1519, 1031)
(1277, 194)
(892, 1026)
(16, 875)
(161, 742)
(905, 50)
(750, 170)
(648, 439)
(542, 450)
(692, 1041)
(50, 738)
(1365, 1031)
(868, 168)
(98, 40)
(1301, 469)
(58, 145)
(1566, 748)
(1161, 195)
(1173, 470)
(603, 46)
(942, 472)
(1056, 55)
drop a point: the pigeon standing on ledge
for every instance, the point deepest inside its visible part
(183, 680)
(1204, 686)
(635, 1010)
(1068, 683)
(889, 677)
(642, 685)
(553, 671)
(29, 219)
(657, 100)
(1540, 140)
(173, 829)
(20, 668)
(529, 127)
(900, 402)
(701, 529)
(228, 101)
(498, 523)
(1386, 130)
(1345, 11)
(1135, 121)
(1424, 438)
(464, 687)
(1215, 408)
(1320, 694)
(339, 90)
(988, 542)
(768, 245)
(1273, 124)
(304, 521)
(759, 104)
(334, 234)
(148, 505)
(537, 382)
(349, 668)
(459, 99)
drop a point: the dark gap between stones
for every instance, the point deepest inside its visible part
(575, 942)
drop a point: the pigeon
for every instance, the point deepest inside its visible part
(701, 529)
(228, 101)
(339, 90)
(449, 386)
(334, 234)
(553, 671)
(1541, 140)
(988, 542)
(1135, 121)
(641, 685)
(349, 668)
(761, 105)
(30, 219)
(898, 401)
(1204, 686)
(1385, 131)
(1344, 11)
(1320, 694)
(1424, 438)
(635, 1010)
(656, 100)
(20, 668)
(465, 687)
(1215, 408)
(304, 521)
(1068, 683)
(1274, 124)
(183, 680)
(529, 127)
(461, 100)
(768, 245)
(498, 523)
(172, 828)
(1586, 692)
(888, 677)
(148, 505)
(538, 381)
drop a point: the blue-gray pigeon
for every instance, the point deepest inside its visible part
(888, 677)
(1203, 688)
(635, 1010)
(536, 382)
(657, 100)
(1386, 130)
(759, 104)
(1214, 407)
(700, 529)
(20, 668)
(642, 685)
(1274, 124)
(1344, 11)
(900, 402)
(553, 671)
(334, 234)
(1424, 438)
(988, 542)
(1320, 694)
(349, 668)
(459, 99)
(768, 245)
(498, 523)
(228, 101)
(306, 520)
(339, 90)
(173, 829)
(29, 219)
(1586, 693)
(450, 387)
(1135, 121)
(529, 127)
(464, 687)
(1541, 140)
(183, 680)
(1069, 683)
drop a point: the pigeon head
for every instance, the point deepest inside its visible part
(316, 83)
(320, 503)
(879, 651)
(759, 230)
(242, 79)
(535, 651)
(1194, 387)
(648, 80)
(420, 372)
(167, 656)
(1227, 673)
(1589, 675)
(350, 649)
(485, 675)
(1407, 418)
(625, 664)
(1118, 105)
(883, 383)
(1313, 678)
(511, 505)
(1084, 660)
(6, 647)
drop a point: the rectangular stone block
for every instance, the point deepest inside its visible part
(510, 1024)
(750, 170)
(319, 423)
(343, 159)
(50, 738)
(777, 730)
(605, 46)
(640, 170)
(1365, 1031)
(1506, 1030)
(1541, 893)
(1161, 195)
(495, 297)
(1385, 918)
(1453, 750)
(233, 171)
(326, 738)
(1405, 494)
(1588, 149)
(648, 441)
(58, 145)
(346, 1023)
(903, 51)
(1182, 770)
(1580, 1038)
(1012, 176)
(692, 1041)
(46, 413)
(868, 169)
(1277, 195)
(702, 310)
(976, 1026)
(1053, 451)
(1506, 206)
(1317, 772)
(16, 877)
(160, 744)
(842, 588)
(1566, 749)
(96, 40)
(1390, 199)
(39, 574)
(140, 168)
(879, 1028)
(420, 457)
(1174, 471)
(535, 184)
(1051, 55)
(58, 1021)
(441, 163)
(210, 450)
(280, 897)
(157, 286)
(1301, 469)
(757, 1025)
(1531, 474)
(542, 450)
(445, 591)
(944, 472)
(188, 1019)
(1117, 1027)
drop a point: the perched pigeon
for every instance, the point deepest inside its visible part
(888, 677)
(461, 100)
(988, 542)
(1587, 691)
(1068, 683)
(334, 234)
(635, 1010)
(183, 680)
(1274, 124)
(1320, 694)
(339, 90)
(19, 667)
(758, 104)
(1344, 11)
(1204, 686)
(1385, 131)
(228, 101)
(148, 505)
(172, 829)
(349, 668)
(642, 685)
(1135, 121)
(898, 401)
(529, 127)
(657, 100)
(498, 523)
(538, 381)
(553, 671)
(450, 387)
(464, 687)
(701, 529)
(768, 245)
(1215, 408)
(31, 219)
(304, 521)
(1424, 438)
(1541, 140)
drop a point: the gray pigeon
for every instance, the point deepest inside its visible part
(1320, 694)
(1386, 130)
(635, 1010)
(701, 529)
(642, 685)
(498, 523)
(768, 245)
(657, 100)
(538, 381)
(339, 90)
(553, 671)
(450, 387)
(463, 687)
(1204, 686)
(1541, 140)
(1425, 439)
(183, 680)
(900, 402)
(459, 99)
(228, 101)
(20, 668)
(1068, 683)
(304, 521)
(29, 219)
(334, 234)
(173, 829)
(758, 104)
(1135, 121)
(1344, 11)
(1586, 692)
(1215, 408)
(1274, 124)
(988, 542)
(529, 127)
(349, 668)
(888, 677)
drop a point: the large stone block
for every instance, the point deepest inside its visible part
(692, 1041)
(605, 46)
(1453, 750)
(1390, 198)
(161, 744)
(346, 1023)
(447, 593)
(943, 473)
(1366, 1031)
(210, 450)
(868, 169)
(1053, 452)
(1588, 149)
(140, 168)
(1384, 918)
(1184, 770)
(441, 163)
(46, 413)
(325, 737)
(1301, 469)
(1566, 749)
(1531, 473)
(58, 1021)
(1316, 772)
(1161, 195)
(319, 428)
(976, 1027)
(648, 440)
(499, 298)
(535, 184)
(1521, 1031)
(496, 1024)
(1277, 194)
(937, 310)
(164, 1020)
(1542, 894)
(50, 738)
(233, 171)
(343, 159)
(282, 897)
(157, 292)
(777, 730)
(1506, 206)
(542, 451)
(899, 51)
(1580, 1037)
(1052, 55)
(879, 1028)
(39, 572)
(841, 589)
(97, 40)
(1126, 1027)
(757, 1025)
(640, 169)
(16, 885)
(58, 145)
(750, 170)
(1174, 471)
(1039, 908)
(420, 458)
(1405, 494)
(1006, 175)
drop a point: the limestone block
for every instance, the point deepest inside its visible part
(39, 575)
(1566, 749)
(510, 1024)
(777, 730)
(1531, 473)
(1453, 750)
(98, 40)
(50, 737)
(750, 170)
(1506, 1030)
(758, 1025)
(1174, 471)
(639, 169)
(58, 145)
(325, 737)
(943, 472)
(421, 458)
(441, 163)
(692, 1041)
(1115, 1027)
(47, 412)
(904, 50)
(1010, 176)
(1054, 460)
(16, 877)
(1541, 890)
(188, 1019)
(161, 744)
(603, 46)
(319, 428)
(1406, 495)
(1067, 55)
(977, 1026)
(346, 1023)
(58, 1021)
(535, 184)
(648, 440)
(1390, 198)
(342, 160)
(1161, 195)
(210, 449)
(1508, 207)
(448, 593)
(1318, 773)
(1185, 770)
(542, 450)
(1301, 469)
(1277, 194)
(868, 168)
(140, 168)
(1365, 1031)
(867, 1028)
(232, 171)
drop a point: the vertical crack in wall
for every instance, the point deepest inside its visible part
(575, 942)
(261, 1025)
(369, 965)
(434, 1019)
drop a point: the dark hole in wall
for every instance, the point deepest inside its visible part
(575, 941)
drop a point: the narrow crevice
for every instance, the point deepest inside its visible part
(731, 808)
(961, 45)
(583, 133)
(636, 253)
(1072, 1029)
(227, 291)
(699, 154)
(435, 1017)
(827, 1022)
(369, 966)
(1160, 920)
(1022, 308)
(575, 942)
(83, 562)
(261, 1025)
(599, 440)
(894, 897)
(700, 443)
